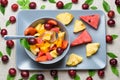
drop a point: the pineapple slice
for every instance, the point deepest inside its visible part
(47, 35)
(54, 53)
(92, 48)
(79, 26)
(61, 35)
(74, 60)
(65, 18)
(34, 49)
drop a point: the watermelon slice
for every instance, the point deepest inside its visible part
(83, 38)
(92, 20)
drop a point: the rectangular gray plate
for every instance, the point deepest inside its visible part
(97, 61)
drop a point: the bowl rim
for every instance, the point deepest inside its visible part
(59, 58)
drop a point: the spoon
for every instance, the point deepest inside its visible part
(10, 37)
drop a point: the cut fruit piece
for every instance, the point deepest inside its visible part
(34, 49)
(64, 44)
(83, 38)
(41, 58)
(54, 53)
(53, 22)
(74, 60)
(56, 29)
(92, 48)
(92, 20)
(65, 18)
(79, 26)
(49, 57)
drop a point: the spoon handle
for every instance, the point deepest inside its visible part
(10, 37)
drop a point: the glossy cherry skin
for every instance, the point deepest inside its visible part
(12, 71)
(89, 78)
(48, 26)
(54, 73)
(109, 39)
(40, 77)
(117, 2)
(12, 19)
(4, 3)
(32, 41)
(59, 5)
(85, 6)
(32, 5)
(111, 14)
(59, 50)
(113, 62)
(14, 7)
(4, 59)
(75, 1)
(101, 73)
(3, 32)
(72, 73)
(111, 22)
(10, 43)
(25, 74)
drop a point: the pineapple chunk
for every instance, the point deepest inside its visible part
(74, 60)
(47, 35)
(65, 18)
(79, 26)
(45, 47)
(54, 53)
(40, 29)
(34, 49)
(92, 48)
(61, 35)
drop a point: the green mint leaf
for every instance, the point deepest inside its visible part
(2, 9)
(93, 7)
(8, 50)
(91, 73)
(114, 36)
(77, 77)
(111, 55)
(89, 2)
(1, 54)
(10, 77)
(25, 43)
(56, 78)
(118, 9)
(115, 70)
(106, 6)
(52, 1)
(7, 23)
(68, 6)
(33, 77)
(20, 2)
(42, 7)
(25, 7)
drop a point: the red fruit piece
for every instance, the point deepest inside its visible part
(25, 74)
(5, 59)
(92, 20)
(109, 38)
(101, 73)
(89, 78)
(12, 19)
(40, 53)
(83, 38)
(14, 7)
(53, 22)
(85, 6)
(111, 14)
(3, 32)
(75, 1)
(32, 5)
(49, 57)
(72, 73)
(55, 29)
(64, 44)
(12, 71)
(4, 3)
(10, 43)
(39, 40)
(41, 58)
(59, 4)
(30, 31)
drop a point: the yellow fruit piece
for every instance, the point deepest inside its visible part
(47, 35)
(53, 37)
(79, 26)
(45, 47)
(92, 48)
(74, 60)
(34, 49)
(61, 35)
(38, 27)
(65, 18)
(54, 53)
(37, 34)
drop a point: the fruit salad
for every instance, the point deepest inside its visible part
(50, 40)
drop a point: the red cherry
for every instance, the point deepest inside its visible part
(48, 26)
(10, 43)
(89, 78)
(12, 19)
(75, 1)
(101, 73)
(111, 14)
(4, 3)
(85, 6)
(72, 73)
(109, 39)
(32, 5)
(25, 74)
(32, 41)
(54, 73)
(59, 4)
(40, 77)
(60, 50)
(111, 22)
(12, 71)
(14, 7)
(117, 2)
(113, 62)
(3, 32)
(4, 58)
